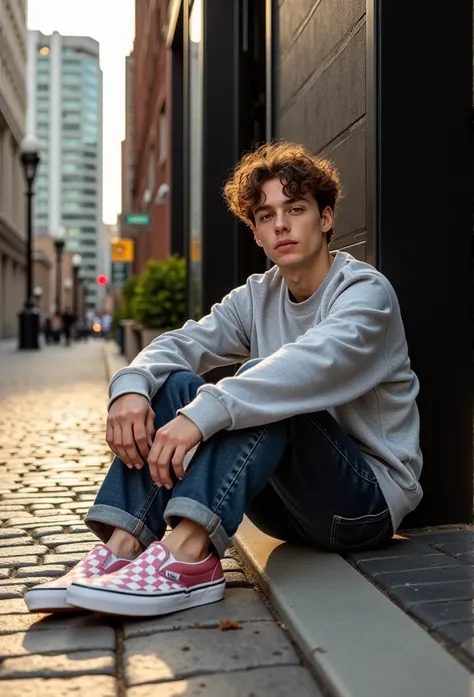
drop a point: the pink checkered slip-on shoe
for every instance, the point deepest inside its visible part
(155, 583)
(51, 596)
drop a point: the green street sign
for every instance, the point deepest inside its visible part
(120, 272)
(139, 219)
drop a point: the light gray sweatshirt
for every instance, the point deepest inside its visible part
(343, 349)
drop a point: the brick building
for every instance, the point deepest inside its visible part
(146, 162)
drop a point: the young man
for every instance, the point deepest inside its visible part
(316, 437)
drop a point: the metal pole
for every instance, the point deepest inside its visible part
(59, 250)
(74, 291)
(29, 266)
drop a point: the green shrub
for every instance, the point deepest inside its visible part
(124, 308)
(159, 301)
(128, 293)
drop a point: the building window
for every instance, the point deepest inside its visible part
(151, 171)
(71, 206)
(74, 103)
(70, 76)
(70, 114)
(163, 136)
(75, 216)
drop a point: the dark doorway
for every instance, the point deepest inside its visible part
(252, 77)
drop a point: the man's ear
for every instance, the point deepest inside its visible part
(327, 219)
(256, 236)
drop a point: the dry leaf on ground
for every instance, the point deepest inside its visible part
(226, 625)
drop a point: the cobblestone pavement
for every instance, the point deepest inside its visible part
(52, 459)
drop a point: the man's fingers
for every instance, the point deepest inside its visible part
(150, 427)
(118, 449)
(178, 461)
(140, 437)
(109, 437)
(128, 444)
(153, 462)
(164, 462)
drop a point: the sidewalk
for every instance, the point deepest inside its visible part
(52, 459)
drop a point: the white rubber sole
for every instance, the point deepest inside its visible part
(142, 605)
(48, 600)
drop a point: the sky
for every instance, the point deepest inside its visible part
(112, 24)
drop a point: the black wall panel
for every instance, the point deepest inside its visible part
(322, 96)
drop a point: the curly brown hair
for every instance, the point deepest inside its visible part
(298, 170)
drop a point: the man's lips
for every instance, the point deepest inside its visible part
(284, 243)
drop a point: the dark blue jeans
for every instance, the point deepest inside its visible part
(301, 480)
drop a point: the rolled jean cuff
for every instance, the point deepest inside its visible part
(103, 520)
(181, 507)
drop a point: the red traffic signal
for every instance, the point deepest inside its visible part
(102, 279)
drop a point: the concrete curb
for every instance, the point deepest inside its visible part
(358, 643)
(113, 358)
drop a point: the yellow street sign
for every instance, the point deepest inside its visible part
(122, 249)
(195, 249)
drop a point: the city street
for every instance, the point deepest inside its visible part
(52, 458)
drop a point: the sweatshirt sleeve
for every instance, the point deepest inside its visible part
(218, 339)
(333, 363)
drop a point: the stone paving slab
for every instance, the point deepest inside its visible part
(59, 666)
(56, 641)
(85, 686)
(434, 584)
(52, 461)
(238, 605)
(25, 621)
(188, 652)
(260, 682)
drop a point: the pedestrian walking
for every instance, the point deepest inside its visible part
(47, 331)
(106, 323)
(68, 322)
(315, 438)
(56, 327)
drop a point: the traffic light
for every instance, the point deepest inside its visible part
(102, 279)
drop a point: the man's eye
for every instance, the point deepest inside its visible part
(296, 209)
(265, 217)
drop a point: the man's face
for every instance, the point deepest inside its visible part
(291, 232)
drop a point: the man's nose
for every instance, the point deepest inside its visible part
(281, 222)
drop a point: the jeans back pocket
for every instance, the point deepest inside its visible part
(363, 532)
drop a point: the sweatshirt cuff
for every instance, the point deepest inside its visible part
(128, 383)
(207, 413)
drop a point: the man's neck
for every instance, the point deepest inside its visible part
(303, 282)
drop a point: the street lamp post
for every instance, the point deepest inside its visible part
(29, 316)
(59, 246)
(76, 265)
(81, 294)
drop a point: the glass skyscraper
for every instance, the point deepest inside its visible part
(65, 112)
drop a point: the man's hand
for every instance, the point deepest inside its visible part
(130, 429)
(172, 442)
